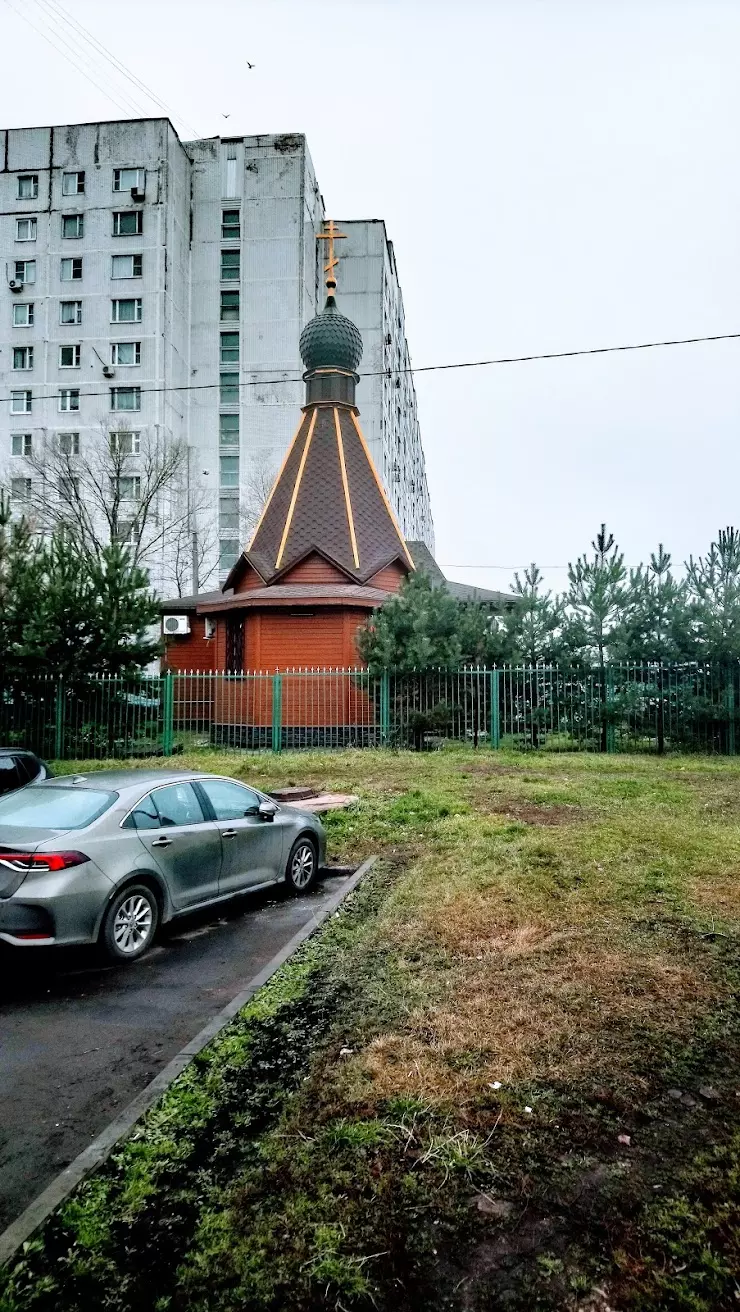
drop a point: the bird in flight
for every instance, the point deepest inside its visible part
(249, 65)
(226, 115)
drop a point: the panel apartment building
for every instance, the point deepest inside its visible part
(156, 290)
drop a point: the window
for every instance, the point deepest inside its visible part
(125, 353)
(230, 188)
(229, 348)
(21, 403)
(228, 430)
(228, 550)
(229, 471)
(23, 315)
(178, 805)
(125, 179)
(124, 531)
(125, 398)
(69, 398)
(127, 487)
(23, 357)
(127, 311)
(229, 389)
(73, 184)
(229, 306)
(28, 186)
(69, 357)
(21, 444)
(230, 225)
(69, 444)
(70, 270)
(25, 270)
(70, 311)
(125, 443)
(230, 266)
(73, 225)
(228, 514)
(128, 223)
(20, 489)
(69, 487)
(25, 229)
(126, 266)
(230, 801)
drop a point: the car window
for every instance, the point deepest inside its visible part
(27, 768)
(40, 807)
(145, 816)
(229, 801)
(178, 805)
(10, 776)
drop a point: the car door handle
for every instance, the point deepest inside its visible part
(228, 833)
(161, 842)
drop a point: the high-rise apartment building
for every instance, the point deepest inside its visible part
(154, 296)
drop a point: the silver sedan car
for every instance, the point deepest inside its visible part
(109, 856)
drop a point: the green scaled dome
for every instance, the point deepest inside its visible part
(331, 341)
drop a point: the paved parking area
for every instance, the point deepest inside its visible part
(79, 1040)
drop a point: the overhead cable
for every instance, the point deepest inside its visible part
(418, 369)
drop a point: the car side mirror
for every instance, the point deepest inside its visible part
(267, 810)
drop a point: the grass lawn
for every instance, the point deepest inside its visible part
(506, 1075)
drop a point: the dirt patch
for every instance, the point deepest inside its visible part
(534, 813)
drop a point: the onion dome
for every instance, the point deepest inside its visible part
(331, 341)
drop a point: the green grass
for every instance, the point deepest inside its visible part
(424, 1107)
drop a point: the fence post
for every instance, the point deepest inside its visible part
(168, 712)
(731, 712)
(59, 721)
(609, 689)
(277, 712)
(385, 707)
(495, 713)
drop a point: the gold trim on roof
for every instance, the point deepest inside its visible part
(296, 489)
(381, 489)
(345, 485)
(278, 476)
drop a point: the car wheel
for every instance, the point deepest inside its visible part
(302, 867)
(130, 923)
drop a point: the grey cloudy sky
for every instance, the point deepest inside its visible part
(555, 174)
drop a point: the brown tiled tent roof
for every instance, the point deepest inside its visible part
(327, 498)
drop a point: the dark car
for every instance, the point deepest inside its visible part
(18, 768)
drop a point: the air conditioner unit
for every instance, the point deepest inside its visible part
(175, 625)
(138, 193)
(108, 371)
(15, 285)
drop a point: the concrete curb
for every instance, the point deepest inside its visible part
(95, 1154)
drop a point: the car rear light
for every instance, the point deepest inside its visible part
(27, 861)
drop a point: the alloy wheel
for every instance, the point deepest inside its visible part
(302, 866)
(133, 923)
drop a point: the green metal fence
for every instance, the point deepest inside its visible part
(650, 708)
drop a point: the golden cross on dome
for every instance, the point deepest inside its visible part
(329, 236)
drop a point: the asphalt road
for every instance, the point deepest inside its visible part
(79, 1040)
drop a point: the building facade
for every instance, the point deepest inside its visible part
(155, 290)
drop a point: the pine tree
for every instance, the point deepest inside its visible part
(534, 622)
(713, 583)
(597, 596)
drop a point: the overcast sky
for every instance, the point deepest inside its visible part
(555, 174)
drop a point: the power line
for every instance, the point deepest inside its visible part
(419, 369)
(86, 34)
(70, 55)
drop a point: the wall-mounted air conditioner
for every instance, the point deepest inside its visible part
(175, 625)
(15, 284)
(108, 371)
(138, 194)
